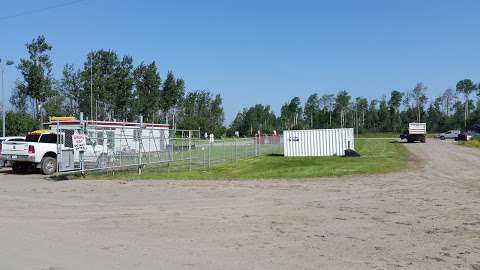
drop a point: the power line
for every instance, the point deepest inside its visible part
(33, 11)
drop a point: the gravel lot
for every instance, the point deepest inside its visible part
(425, 218)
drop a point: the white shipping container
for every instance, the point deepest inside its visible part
(317, 142)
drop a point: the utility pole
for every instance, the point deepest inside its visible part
(3, 66)
(91, 86)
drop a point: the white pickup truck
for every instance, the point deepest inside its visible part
(39, 150)
(8, 139)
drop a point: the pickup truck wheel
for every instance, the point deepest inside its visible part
(442, 138)
(49, 165)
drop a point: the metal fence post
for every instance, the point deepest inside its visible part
(150, 146)
(59, 149)
(183, 147)
(120, 145)
(245, 149)
(189, 151)
(171, 141)
(82, 153)
(140, 138)
(224, 151)
(259, 149)
(209, 154)
(254, 149)
(235, 143)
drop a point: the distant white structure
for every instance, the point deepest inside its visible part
(317, 142)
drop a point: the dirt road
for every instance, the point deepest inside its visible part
(426, 218)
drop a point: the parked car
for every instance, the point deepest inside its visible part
(451, 134)
(466, 136)
(8, 139)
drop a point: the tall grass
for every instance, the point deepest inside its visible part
(471, 143)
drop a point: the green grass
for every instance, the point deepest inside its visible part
(389, 135)
(377, 156)
(472, 143)
(378, 135)
(201, 153)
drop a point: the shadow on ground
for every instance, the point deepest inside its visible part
(275, 155)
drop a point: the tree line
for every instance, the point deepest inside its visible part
(107, 87)
(453, 109)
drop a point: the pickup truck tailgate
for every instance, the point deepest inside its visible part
(14, 148)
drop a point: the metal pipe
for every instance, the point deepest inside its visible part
(3, 104)
(3, 66)
(91, 86)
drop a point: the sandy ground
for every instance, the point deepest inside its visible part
(425, 218)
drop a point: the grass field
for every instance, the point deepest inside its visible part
(199, 153)
(472, 143)
(378, 135)
(389, 135)
(377, 156)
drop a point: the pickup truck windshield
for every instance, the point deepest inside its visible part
(32, 138)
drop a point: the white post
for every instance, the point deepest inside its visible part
(59, 148)
(82, 127)
(140, 144)
(3, 103)
(3, 66)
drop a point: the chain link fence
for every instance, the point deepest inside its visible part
(191, 154)
(111, 148)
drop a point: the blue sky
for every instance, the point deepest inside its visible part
(264, 51)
